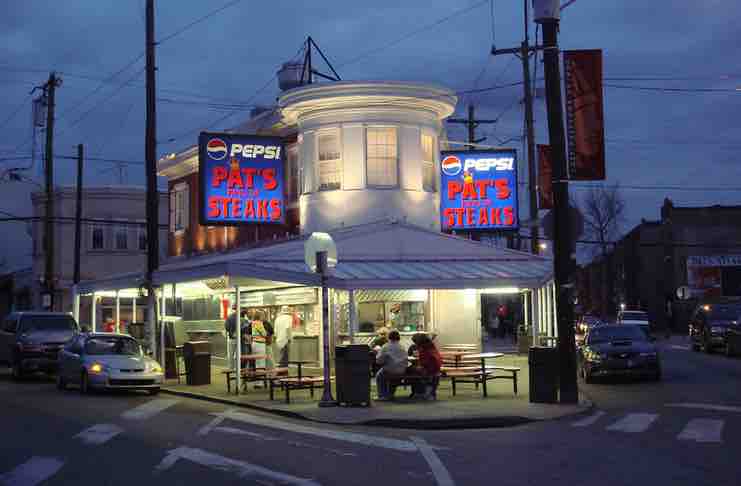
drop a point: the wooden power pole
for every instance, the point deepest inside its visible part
(152, 197)
(50, 92)
(78, 215)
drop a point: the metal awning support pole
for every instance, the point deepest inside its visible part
(152, 318)
(118, 312)
(525, 310)
(75, 304)
(321, 264)
(93, 313)
(163, 304)
(238, 351)
(133, 310)
(554, 309)
(353, 313)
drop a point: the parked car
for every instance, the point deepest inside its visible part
(586, 322)
(618, 349)
(710, 325)
(30, 341)
(108, 361)
(636, 318)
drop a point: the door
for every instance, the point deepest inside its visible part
(7, 338)
(71, 358)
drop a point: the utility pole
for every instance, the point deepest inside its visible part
(152, 198)
(471, 122)
(547, 14)
(78, 214)
(523, 52)
(50, 91)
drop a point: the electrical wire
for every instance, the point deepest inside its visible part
(674, 90)
(198, 21)
(411, 34)
(14, 112)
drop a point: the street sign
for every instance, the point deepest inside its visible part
(320, 242)
(683, 292)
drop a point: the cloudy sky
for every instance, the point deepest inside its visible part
(681, 144)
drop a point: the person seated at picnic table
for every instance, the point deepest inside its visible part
(412, 351)
(381, 338)
(393, 360)
(428, 366)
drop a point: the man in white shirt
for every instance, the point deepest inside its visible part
(393, 359)
(282, 328)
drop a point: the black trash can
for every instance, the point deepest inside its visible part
(733, 341)
(352, 374)
(197, 356)
(543, 362)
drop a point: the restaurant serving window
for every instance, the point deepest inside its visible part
(382, 159)
(329, 166)
(403, 310)
(428, 163)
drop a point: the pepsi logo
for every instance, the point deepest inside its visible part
(451, 165)
(216, 148)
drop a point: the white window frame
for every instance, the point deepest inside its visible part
(179, 208)
(325, 163)
(116, 232)
(102, 229)
(367, 158)
(428, 163)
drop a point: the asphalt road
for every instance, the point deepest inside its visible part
(683, 431)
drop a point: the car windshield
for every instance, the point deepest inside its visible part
(616, 333)
(113, 345)
(725, 312)
(48, 323)
(635, 316)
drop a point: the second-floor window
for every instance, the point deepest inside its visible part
(329, 167)
(122, 237)
(97, 238)
(179, 205)
(382, 157)
(142, 238)
(428, 163)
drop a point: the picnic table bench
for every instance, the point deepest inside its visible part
(253, 375)
(481, 373)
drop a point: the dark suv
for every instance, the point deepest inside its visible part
(710, 324)
(30, 341)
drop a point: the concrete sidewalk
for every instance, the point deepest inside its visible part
(468, 409)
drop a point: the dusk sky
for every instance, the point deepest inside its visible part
(658, 141)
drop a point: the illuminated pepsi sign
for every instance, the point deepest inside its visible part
(479, 189)
(241, 179)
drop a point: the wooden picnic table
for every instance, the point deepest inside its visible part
(456, 355)
(483, 357)
(459, 347)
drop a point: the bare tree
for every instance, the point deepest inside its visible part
(603, 209)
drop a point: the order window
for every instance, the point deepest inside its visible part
(329, 161)
(382, 157)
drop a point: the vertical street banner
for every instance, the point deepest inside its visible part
(584, 114)
(241, 179)
(545, 175)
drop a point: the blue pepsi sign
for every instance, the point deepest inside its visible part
(241, 179)
(479, 189)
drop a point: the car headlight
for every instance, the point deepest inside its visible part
(593, 356)
(155, 368)
(718, 330)
(98, 368)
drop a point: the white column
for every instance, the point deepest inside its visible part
(93, 312)
(118, 312)
(238, 358)
(152, 320)
(133, 310)
(353, 324)
(525, 310)
(543, 318)
(534, 315)
(75, 304)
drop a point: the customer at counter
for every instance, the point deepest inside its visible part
(283, 331)
(382, 337)
(262, 336)
(393, 360)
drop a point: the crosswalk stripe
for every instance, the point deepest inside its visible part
(32, 472)
(99, 434)
(634, 423)
(702, 430)
(587, 421)
(149, 409)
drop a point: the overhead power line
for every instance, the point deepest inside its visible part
(198, 21)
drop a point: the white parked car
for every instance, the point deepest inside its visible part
(107, 361)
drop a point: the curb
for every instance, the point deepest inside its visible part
(436, 424)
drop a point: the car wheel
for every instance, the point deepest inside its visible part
(154, 391)
(61, 383)
(84, 383)
(17, 371)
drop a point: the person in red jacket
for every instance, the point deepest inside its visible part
(429, 363)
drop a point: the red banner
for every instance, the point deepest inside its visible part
(584, 114)
(545, 177)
